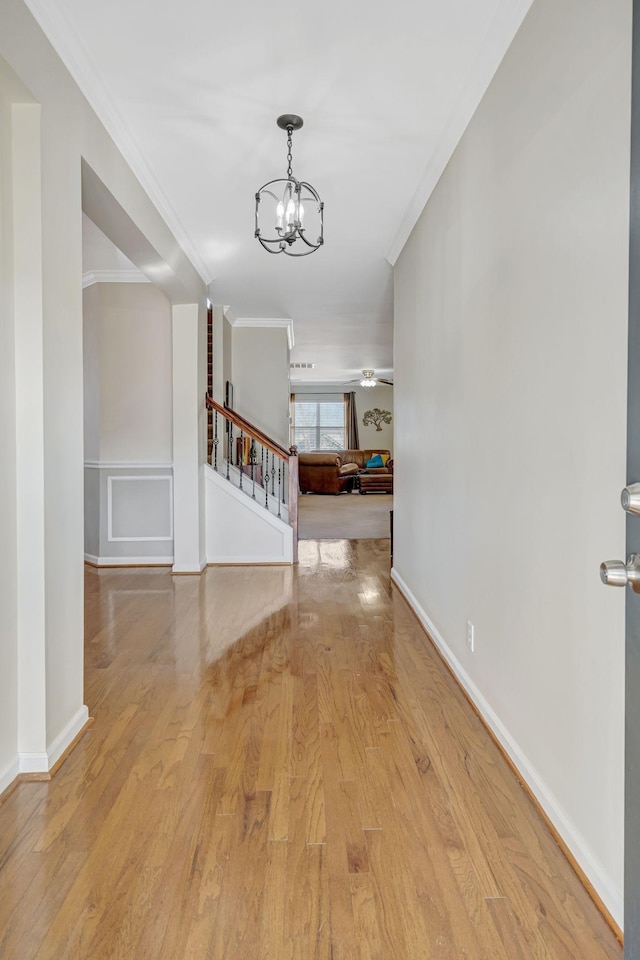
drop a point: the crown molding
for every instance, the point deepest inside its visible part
(113, 276)
(264, 322)
(500, 35)
(228, 314)
(67, 43)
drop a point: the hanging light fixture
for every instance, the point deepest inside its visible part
(367, 379)
(294, 208)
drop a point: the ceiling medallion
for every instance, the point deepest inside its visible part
(293, 220)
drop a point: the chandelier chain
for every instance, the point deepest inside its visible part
(289, 148)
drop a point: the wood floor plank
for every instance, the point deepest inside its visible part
(282, 768)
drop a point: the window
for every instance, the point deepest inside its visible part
(318, 424)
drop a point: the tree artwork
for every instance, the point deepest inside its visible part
(376, 416)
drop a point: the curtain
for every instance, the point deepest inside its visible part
(351, 421)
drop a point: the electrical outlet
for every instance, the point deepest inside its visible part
(471, 636)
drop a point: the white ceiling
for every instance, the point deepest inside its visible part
(191, 91)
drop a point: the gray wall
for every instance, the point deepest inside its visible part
(510, 366)
(128, 423)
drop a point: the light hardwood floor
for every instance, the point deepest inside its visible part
(280, 767)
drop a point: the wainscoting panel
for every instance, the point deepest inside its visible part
(128, 513)
(139, 508)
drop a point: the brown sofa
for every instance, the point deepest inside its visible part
(334, 472)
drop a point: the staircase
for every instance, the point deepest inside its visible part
(260, 476)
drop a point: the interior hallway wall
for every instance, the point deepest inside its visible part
(8, 582)
(70, 133)
(128, 423)
(510, 414)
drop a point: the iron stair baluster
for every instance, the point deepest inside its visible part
(252, 457)
(279, 485)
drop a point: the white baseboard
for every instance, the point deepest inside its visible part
(34, 762)
(128, 561)
(603, 885)
(188, 568)
(249, 561)
(43, 762)
(8, 775)
(67, 735)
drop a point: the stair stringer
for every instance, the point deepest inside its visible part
(239, 529)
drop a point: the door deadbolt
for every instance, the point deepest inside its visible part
(630, 498)
(615, 573)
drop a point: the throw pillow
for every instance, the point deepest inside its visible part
(375, 461)
(385, 457)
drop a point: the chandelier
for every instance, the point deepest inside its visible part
(293, 207)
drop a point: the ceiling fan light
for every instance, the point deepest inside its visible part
(368, 380)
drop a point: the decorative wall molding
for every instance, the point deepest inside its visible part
(505, 25)
(265, 323)
(113, 276)
(62, 34)
(576, 844)
(128, 465)
(131, 478)
(229, 314)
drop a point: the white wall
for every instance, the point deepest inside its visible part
(241, 530)
(510, 365)
(69, 133)
(260, 367)
(8, 581)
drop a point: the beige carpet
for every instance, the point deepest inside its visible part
(349, 516)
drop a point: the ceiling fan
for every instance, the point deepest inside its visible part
(369, 380)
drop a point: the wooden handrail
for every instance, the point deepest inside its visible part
(250, 429)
